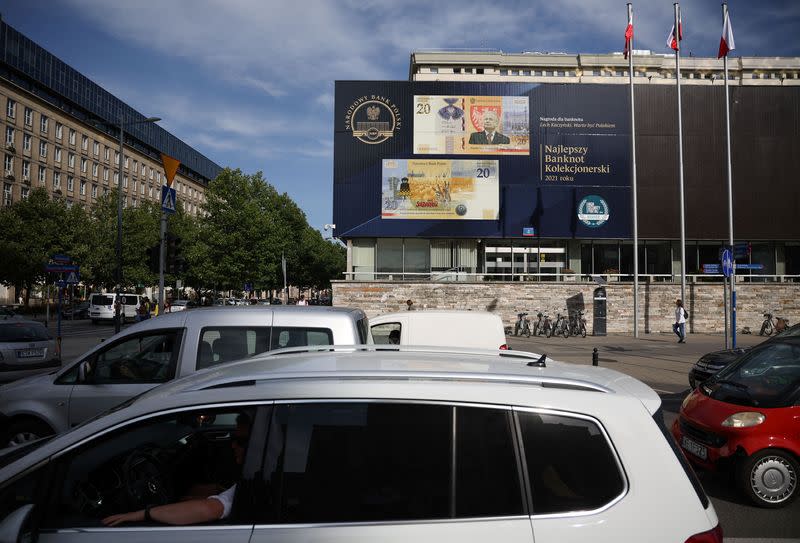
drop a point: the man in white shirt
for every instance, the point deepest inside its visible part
(302, 300)
(196, 510)
(680, 321)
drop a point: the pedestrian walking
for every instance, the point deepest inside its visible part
(680, 321)
(410, 305)
(302, 300)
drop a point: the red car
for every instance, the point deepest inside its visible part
(746, 418)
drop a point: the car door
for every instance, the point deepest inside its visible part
(125, 368)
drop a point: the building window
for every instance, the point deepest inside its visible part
(94, 191)
(126, 162)
(11, 108)
(94, 169)
(105, 192)
(9, 136)
(71, 160)
(105, 175)
(150, 192)
(57, 154)
(72, 135)
(116, 178)
(107, 153)
(478, 70)
(503, 72)
(116, 157)
(125, 181)
(28, 116)
(26, 170)
(70, 183)
(144, 169)
(9, 165)
(456, 70)
(141, 189)
(83, 187)
(152, 173)
(42, 149)
(135, 185)
(96, 148)
(59, 130)
(526, 72)
(57, 180)
(159, 178)
(43, 124)
(7, 192)
(26, 143)
(25, 192)
(42, 175)
(135, 168)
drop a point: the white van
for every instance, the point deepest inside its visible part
(449, 328)
(101, 306)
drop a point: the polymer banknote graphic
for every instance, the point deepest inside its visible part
(440, 189)
(473, 125)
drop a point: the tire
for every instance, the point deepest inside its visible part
(24, 430)
(769, 328)
(583, 330)
(548, 330)
(565, 331)
(516, 329)
(769, 478)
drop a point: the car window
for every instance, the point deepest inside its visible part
(23, 331)
(571, 466)
(300, 337)
(360, 462)
(153, 462)
(144, 358)
(363, 330)
(387, 333)
(130, 300)
(102, 299)
(21, 491)
(220, 344)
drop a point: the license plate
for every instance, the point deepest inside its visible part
(30, 353)
(695, 448)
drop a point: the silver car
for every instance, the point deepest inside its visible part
(161, 349)
(365, 445)
(26, 348)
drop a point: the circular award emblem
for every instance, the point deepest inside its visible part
(593, 211)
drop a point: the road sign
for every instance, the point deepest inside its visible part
(170, 167)
(73, 278)
(168, 199)
(712, 268)
(60, 268)
(727, 263)
(61, 259)
(741, 251)
(528, 231)
(749, 266)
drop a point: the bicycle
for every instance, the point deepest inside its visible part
(577, 324)
(561, 327)
(538, 328)
(769, 326)
(547, 326)
(523, 325)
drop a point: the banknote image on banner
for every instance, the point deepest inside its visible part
(440, 189)
(471, 125)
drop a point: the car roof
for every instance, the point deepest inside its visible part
(21, 321)
(436, 313)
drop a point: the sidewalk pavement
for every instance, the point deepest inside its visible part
(656, 359)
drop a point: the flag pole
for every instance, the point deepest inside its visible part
(730, 182)
(680, 147)
(633, 181)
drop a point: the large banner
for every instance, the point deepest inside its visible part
(471, 125)
(440, 189)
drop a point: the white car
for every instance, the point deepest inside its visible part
(181, 305)
(470, 329)
(363, 444)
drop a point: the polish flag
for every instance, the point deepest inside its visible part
(672, 43)
(726, 41)
(628, 37)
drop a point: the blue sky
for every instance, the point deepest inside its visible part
(250, 83)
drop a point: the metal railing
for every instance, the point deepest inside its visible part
(457, 275)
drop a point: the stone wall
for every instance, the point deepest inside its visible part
(656, 301)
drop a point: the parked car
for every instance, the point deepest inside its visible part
(155, 351)
(101, 306)
(374, 446)
(8, 313)
(77, 311)
(745, 419)
(26, 348)
(711, 363)
(472, 329)
(181, 305)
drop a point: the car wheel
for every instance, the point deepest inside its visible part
(769, 478)
(23, 431)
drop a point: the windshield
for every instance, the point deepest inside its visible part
(765, 377)
(23, 331)
(794, 331)
(102, 299)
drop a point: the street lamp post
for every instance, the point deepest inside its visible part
(117, 302)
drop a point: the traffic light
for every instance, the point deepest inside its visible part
(175, 261)
(153, 258)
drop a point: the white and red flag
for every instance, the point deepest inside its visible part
(726, 41)
(628, 37)
(672, 42)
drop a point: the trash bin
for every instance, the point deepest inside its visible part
(599, 320)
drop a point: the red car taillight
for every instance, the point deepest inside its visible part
(711, 536)
(503, 347)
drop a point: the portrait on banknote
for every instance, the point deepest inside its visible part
(474, 125)
(440, 189)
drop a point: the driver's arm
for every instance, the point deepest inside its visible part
(181, 513)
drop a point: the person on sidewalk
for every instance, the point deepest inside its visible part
(680, 321)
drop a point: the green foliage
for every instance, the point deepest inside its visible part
(245, 228)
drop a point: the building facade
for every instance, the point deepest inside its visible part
(61, 133)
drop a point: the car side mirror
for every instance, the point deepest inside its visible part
(85, 373)
(13, 528)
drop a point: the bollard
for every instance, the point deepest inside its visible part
(595, 357)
